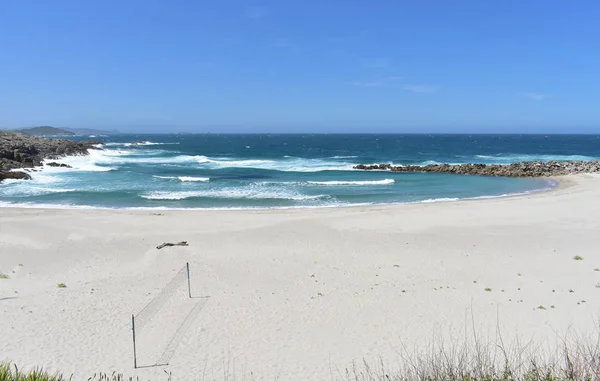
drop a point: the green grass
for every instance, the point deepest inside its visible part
(578, 258)
(10, 372)
(488, 289)
(3, 276)
(62, 285)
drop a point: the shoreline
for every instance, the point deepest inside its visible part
(475, 169)
(557, 182)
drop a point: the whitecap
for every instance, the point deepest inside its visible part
(23, 190)
(289, 164)
(124, 157)
(146, 143)
(441, 199)
(345, 183)
(192, 178)
(87, 163)
(234, 193)
(183, 178)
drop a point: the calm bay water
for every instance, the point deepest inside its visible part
(270, 170)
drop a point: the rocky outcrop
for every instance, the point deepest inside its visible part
(55, 164)
(14, 175)
(522, 169)
(23, 151)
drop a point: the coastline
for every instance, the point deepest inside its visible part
(148, 195)
(557, 182)
(296, 292)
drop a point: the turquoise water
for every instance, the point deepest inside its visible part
(266, 171)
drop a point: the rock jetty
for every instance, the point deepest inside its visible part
(24, 151)
(522, 169)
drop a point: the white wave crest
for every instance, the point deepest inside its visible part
(441, 199)
(146, 143)
(429, 162)
(290, 164)
(99, 160)
(234, 193)
(192, 178)
(87, 163)
(183, 178)
(124, 157)
(28, 191)
(343, 157)
(371, 182)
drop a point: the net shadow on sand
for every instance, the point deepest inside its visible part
(161, 325)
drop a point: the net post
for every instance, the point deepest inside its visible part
(134, 352)
(187, 264)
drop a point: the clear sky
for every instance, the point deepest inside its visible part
(299, 66)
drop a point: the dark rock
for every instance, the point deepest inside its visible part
(14, 175)
(24, 151)
(55, 164)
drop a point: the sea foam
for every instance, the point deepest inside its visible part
(248, 192)
(183, 178)
(366, 182)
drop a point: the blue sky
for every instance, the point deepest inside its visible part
(296, 66)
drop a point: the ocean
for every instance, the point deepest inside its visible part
(228, 171)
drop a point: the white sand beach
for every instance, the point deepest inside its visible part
(296, 294)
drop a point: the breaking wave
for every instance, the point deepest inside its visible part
(137, 144)
(183, 178)
(334, 183)
(234, 193)
(109, 159)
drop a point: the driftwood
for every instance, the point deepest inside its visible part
(182, 243)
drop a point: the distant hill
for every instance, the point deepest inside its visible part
(91, 131)
(45, 131)
(65, 131)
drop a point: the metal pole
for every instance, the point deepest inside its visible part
(134, 353)
(188, 274)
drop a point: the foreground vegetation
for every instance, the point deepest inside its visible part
(473, 359)
(575, 360)
(10, 372)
